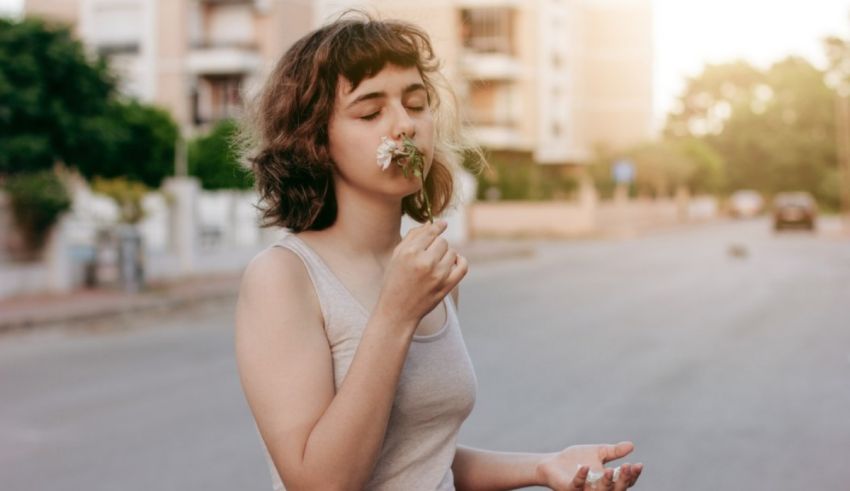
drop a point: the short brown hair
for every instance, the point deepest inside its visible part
(290, 158)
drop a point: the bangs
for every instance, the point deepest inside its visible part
(362, 49)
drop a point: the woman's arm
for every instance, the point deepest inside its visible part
(316, 439)
(476, 470)
(480, 470)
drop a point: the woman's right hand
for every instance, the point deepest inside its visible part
(422, 271)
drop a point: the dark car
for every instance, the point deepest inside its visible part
(794, 209)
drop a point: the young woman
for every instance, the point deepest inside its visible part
(347, 340)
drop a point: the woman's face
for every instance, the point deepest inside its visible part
(392, 103)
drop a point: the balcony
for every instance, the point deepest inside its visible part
(212, 59)
(560, 152)
(498, 136)
(490, 66)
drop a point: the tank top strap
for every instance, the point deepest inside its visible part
(323, 280)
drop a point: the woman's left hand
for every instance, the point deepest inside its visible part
(568, 469)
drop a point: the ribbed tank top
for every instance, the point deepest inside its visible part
(435, 394)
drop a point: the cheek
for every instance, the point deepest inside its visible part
(354, 152)
(342, 143)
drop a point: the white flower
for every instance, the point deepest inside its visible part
(594, 476)
(386, 151)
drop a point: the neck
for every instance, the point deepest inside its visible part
(366, 225)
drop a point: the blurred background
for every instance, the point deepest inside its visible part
(660, 244)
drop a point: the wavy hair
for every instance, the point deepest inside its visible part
(287, 128)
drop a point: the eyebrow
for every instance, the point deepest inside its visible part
(379, 95)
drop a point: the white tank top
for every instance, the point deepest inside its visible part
(435, 394)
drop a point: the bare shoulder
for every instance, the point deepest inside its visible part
(456, 295)
(268, 263)
(277, 275)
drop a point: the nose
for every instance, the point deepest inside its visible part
(403, 125)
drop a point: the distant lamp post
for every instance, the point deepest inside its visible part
(838, 79)
(181, 156)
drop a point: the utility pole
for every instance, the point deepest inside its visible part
(842, 115)
(181, 166)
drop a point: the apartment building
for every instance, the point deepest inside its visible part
(193, 57)
(550, 78)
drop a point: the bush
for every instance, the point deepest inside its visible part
(37, 201)
(517, 177)
(127, 194)
(214, 160)
(134, 141)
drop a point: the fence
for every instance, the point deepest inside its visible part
(186, 232)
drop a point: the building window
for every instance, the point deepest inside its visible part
(488, 30)
(492, 103)
(217, 97)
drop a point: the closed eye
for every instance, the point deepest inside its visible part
(370, 117)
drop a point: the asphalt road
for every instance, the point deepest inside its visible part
(722, 351)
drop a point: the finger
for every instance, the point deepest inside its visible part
(607, 481)
(622, 482)
(430, 232)
(608, 453)
(457, 273)
(438, 248)
(636, 470)
(580, 479)
(447, 261)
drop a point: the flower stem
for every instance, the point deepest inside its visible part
(415, 161)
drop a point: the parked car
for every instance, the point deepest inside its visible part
(745, 203)
(794, 209)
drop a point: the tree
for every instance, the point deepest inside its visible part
(51, 96)
(132, 140)
(713, 97)
(773, 128)
(213, 158)
(57, 105)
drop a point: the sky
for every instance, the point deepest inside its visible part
(689, 33)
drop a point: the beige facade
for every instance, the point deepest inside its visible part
(553, 78)
(194, 57)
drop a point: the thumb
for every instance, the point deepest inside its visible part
(608, 453)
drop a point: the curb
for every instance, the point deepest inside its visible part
(91, 305)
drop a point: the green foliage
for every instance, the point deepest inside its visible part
(517, 177)
(57, 105)
(661, 166)
(37, 201)
(214, 160)
(127, 194)
(50, 96)
(774, 129)
(135, 141)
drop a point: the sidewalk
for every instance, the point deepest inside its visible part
(86, 305)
